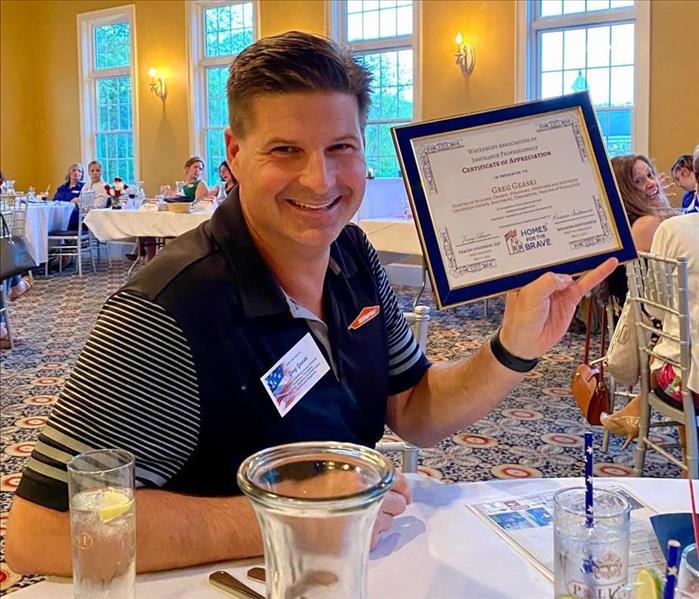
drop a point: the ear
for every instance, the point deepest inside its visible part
(232, 147)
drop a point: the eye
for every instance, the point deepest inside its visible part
(342, 147)
(284, 150)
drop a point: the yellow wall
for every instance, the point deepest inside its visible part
(39, 118)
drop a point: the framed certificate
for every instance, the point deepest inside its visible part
(503, 196)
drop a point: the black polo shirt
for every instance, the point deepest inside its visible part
(172, 370)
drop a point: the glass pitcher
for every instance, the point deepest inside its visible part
(316, 503)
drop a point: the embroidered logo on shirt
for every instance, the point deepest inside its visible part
(364, 316)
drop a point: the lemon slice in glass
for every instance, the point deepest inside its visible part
(648, 585)
(113, 504)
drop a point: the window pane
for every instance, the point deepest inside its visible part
(114, 135)
(216, 102)
(597, 5)
(550, 8)
(620, 3)
(227, 29)
(598, 46)
(572, 6)
(112, 46)
(552, 51)
(622, 86)
(215, 152)
(598, 80)
(623, 44)
(551, 84)
(574, 49)
(618, 134)
(370, 19)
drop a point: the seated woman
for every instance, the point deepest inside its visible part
(97, 184)
(228, 181)
(194, 188)
(646, 205)
(70, 191)
(673, 238)
(683, 175)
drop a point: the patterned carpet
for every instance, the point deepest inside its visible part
(535, 432)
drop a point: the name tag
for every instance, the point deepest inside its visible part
(295, 374)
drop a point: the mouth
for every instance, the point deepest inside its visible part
(315, 207)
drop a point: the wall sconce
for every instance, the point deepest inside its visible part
(465, 56)
(157, 84)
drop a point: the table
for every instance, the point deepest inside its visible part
(396, 235)
(118, 225)
(436, 549)
(41, 219)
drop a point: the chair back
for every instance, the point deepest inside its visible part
(19, 218)
(658, 286)
(86, 202)
(418, 320)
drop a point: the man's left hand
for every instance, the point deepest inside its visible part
(394, 504)
(538, 315)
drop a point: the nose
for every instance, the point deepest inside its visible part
(318, 173)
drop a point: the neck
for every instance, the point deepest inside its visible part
(300, 274)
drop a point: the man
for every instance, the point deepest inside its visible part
(185, 364)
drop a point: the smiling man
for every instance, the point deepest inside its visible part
(272, 323)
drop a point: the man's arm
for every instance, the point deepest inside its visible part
(453, 395)
(173, 531)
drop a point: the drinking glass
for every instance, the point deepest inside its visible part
(103, 524)
(636, 590)
(164, 191)
(179, 186)
(590, 561)
(316, 503)
(688, 577)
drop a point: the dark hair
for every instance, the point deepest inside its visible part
(635, 202)
(228, 168)
(290, 63)
(684, 161)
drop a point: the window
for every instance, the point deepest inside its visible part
(219, 31)
(382, 36)
(577, 45)
(106, 55)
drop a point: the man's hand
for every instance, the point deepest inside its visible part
(394, 504)
(538, 315)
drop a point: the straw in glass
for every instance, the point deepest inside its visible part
(588, 479)
(673, 560)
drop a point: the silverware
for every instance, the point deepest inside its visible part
(231, 585)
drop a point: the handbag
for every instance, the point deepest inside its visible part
(622, 354)
(588, 386)
(14, 255)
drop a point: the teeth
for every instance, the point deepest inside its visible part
(310, 207)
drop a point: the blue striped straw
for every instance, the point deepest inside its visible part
(589, 459)
(673, 561)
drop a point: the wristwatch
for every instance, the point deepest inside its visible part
(509, 360)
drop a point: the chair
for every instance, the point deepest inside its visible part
(418, 321)
(15, 215)
(74, 243)
(660, 286)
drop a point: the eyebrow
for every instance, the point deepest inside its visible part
(280, 141)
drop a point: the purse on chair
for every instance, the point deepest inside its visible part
(588, 386)
(14, 255)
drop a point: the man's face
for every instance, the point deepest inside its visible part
(300, 168)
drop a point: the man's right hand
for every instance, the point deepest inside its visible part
(394, 504)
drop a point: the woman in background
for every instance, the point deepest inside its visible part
(228, 181)
(683, 175)
(70, 191)
(194, 187)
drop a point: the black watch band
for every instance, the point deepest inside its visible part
(507, 359)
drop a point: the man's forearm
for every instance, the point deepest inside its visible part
(172, 531)
(450, 397)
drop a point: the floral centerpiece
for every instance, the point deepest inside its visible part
(115, 192)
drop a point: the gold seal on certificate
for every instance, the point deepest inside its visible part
(501, 197)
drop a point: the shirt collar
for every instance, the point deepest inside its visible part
(260, 294)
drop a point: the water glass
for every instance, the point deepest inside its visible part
(688, 577)
(590, 561)
(316, 503)
(103, 524)
(179, 186)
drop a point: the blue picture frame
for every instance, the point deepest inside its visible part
(445, 295)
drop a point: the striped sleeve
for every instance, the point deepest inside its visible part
(134, 387)
(406, 361)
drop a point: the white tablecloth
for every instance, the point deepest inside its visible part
(438, 549)
(41, 219)
(397, 235)
(116, 225)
